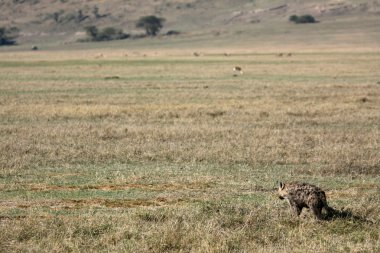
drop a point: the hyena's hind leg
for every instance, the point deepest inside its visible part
(329, 210)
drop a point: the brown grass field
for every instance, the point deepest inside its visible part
(167, 152)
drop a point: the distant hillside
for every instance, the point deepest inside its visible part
(65, 20)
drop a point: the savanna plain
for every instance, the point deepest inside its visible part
(113, 151)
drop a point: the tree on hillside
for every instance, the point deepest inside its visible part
(151, 24)
(8, 35)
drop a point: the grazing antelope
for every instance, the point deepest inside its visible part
(238, 69)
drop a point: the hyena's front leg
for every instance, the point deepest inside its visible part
(296, 209)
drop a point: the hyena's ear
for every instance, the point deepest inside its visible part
(281, 185)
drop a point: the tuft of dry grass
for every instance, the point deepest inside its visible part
(178, 155)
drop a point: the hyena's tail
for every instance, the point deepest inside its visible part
(330, 211)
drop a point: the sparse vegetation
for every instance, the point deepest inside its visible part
(25, 1)
(60, 17)
(97, 14)
(80, 17)
(151, 24)
(114, 155)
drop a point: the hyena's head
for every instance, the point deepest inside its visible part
(282, 190)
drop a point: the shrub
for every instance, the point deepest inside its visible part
(172, 32)
(293, 18)
(304, 19)
(8, 35)
(111, 33)
(92, 31)
(108, 33)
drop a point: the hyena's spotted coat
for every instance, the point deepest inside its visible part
(302, 196)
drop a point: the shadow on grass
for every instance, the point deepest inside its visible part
(346, 215)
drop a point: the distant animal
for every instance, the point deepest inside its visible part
(195, 54)
(238, 69)
(304, 195)
(280, 55)
(99, 56)
(111, 77)
(289, 54)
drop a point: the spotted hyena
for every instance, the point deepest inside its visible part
(304, 195)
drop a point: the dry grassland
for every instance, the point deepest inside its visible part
(173, 153)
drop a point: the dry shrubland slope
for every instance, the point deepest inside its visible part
(64, 20)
